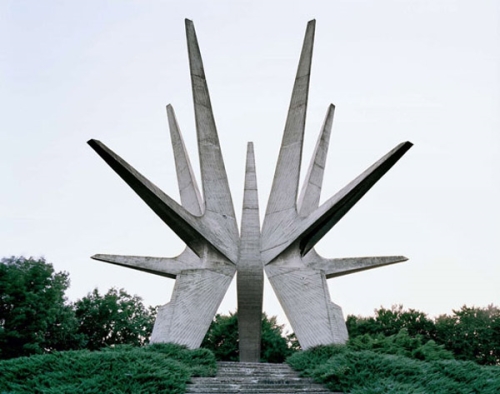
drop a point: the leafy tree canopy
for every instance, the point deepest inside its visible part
(471, 333)
(222, 339)
(34, 315)
(113, 318)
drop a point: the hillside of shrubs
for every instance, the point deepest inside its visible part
(396, 364)
(152, 369)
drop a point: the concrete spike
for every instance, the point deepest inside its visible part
(162, 266)
(311, 229)
(321, 221)
(188, 188)
(195, 232)
(311, 190)
(281, 206)
(250, 278)
(216, 192)
(345, 266)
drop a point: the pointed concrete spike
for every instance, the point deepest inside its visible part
(169, 267)
(250, 278)
(282, 202)
(250, 223)
(311, 190)
(195, 232)
(321, 221)
(188, 188)
(316, 225)
(345, 266)
(215, 185)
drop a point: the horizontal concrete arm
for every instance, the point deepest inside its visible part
(162, 266)
(345, 266)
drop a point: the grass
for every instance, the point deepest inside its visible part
(394, 365)
(158, 368)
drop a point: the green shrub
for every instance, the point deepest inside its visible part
(123, 369)
(341, 368)
(401, 344)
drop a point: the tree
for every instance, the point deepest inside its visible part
(34, 315)
(471, 333)
(222, 339)
(113, 318)
(390, 322)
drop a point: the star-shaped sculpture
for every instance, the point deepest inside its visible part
(216, 250)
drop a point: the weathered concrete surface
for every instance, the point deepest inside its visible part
(250, 276)
(292, 226)
(215, 250)
(205, 269)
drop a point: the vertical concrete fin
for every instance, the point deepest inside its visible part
(169, 267)
(215, 185)
(327, 215)
(250, 278)
(186, 226)
(311, 190)
(188, 188)
(282, 204)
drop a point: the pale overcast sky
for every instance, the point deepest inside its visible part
(423, 71)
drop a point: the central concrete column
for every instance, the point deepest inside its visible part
(250, 276)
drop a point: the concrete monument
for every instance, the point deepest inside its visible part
(216, 250)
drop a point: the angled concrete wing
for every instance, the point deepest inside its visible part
(219, 211)
(296, 272)
(192, 230)
(206, 224)
(308, 231)
(188, 188)
(282, 203)
(311, 190)
(195, 299)
(322, 220)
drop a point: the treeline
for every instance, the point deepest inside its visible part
(470, 333)
(36, 317)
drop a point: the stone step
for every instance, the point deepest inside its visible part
(232, 390)
(226, 389)
(254, 378)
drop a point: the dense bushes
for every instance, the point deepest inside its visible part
(121, 369)
(341, 368)
(401, 344)
(403, 351)
(470, 333)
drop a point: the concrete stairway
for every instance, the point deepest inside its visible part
(254, 378)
